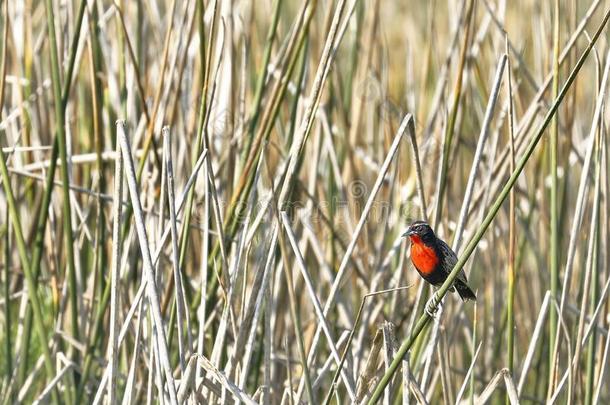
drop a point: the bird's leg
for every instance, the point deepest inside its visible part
(433, 305)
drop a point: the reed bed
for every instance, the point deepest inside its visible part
(204, 201)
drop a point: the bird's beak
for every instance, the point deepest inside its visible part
(408, 233)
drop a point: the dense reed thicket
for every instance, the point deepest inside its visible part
(204, 201)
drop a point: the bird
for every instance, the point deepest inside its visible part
(434, 259)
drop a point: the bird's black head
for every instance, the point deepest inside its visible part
(420, 230)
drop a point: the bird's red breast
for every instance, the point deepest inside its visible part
(424, 257)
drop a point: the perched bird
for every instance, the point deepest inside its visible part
(434, 259)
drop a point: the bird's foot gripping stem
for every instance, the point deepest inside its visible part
(433, 305)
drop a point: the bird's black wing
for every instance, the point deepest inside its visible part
(449, 259)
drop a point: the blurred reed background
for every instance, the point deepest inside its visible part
(197, 197)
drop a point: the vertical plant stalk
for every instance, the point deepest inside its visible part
(179, 294)
(449, 130)
(205, 249)
(164, 58)
(113, 339)
(590, 270)
(7, 228)
(418, 172)
(604, 357)
(538, 331)
(14, 215)
(491, 103)
(149, 274)
(7, 302)
(296, 319)
(261, 286)
(554, 236)
(425, 318)
(510, 271)
(60, 125)
(43, 214)
(595, 269)
(206, 66)
(25, 265)
(260, 84)
(474, 358)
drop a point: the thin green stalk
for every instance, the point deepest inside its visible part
(425, 318)
(591, 353)
(149, 140)
(449, 130)
(94, 338)
(260, 84)
(179, 301)
(206, 62)
(164, 58)
(25, 265)
(97, 99)
(354, 54)
(7, 229)
(43, 213)
(27, 71)
(63, 155)
(554, 236)
(474, 351)
(300, 83)
(122, 63)
(95, 57)
(139, 30)
(7, 303)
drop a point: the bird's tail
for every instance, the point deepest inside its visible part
(465, 292)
